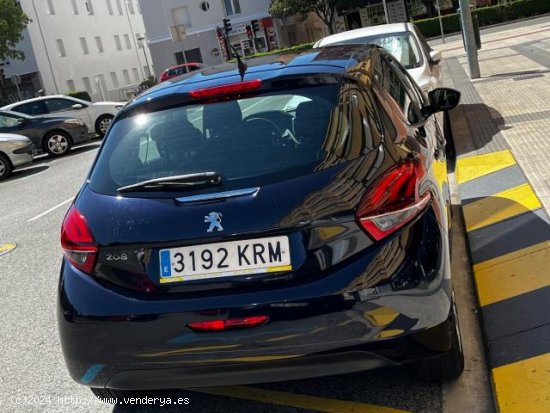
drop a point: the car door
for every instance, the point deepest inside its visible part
(66, 107)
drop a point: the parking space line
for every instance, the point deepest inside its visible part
(474, 167)
(513, 274)
(299, 401)
(524, 386)
(51, 210)
(500, 206)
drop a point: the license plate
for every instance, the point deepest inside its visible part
(225, 259)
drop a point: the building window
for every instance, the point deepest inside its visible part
(127, 41)
(136, 74)
(75, 7)
(84, 45)
(119, 7)
(140, 44)
(117, 42)
(126, 75)
(109, 7)
(205, 6)
(87, 84)
(70, 86)
(179, 58)
(180, 16)
(89, 7)
(61, 48)
(138, 6)
(232, 7)
(147, 71)
(131, 7)
(49, 5)
(114, 80)
(99, 44)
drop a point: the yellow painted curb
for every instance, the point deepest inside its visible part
(524, 386)
(513, 274)
(499, 207)
(474, 167)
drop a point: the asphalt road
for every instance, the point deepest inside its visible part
(32, 371)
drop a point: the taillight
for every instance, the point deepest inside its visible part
(77, 241)
(393, 200)
(225, 90)
(231, 324)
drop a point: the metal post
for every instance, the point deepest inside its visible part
(141, 40)
(440, 22)
(386, 11)
(469, 38)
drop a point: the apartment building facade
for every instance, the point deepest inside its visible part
(96, 46)
(182, 31)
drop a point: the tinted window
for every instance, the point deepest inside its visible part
(59, 105)
(31, 108)
(253, 141)
(403, 46)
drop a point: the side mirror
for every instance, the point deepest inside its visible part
(443, 99)
(77, 106)
(435, 57)
(21, 122)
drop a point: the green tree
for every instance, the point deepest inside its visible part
(12, 22)
(325, 9)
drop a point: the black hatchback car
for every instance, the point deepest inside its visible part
(289, 224)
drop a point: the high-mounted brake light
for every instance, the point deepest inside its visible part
(225, 90)
(231, 324)
(393, 200)
(77, 241)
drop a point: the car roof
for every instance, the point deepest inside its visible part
(365, 32)
(333, 60)
(35, 100)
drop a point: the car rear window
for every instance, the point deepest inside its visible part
(402, 46)
(253, 141)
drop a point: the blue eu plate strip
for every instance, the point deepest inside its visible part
(165, 264)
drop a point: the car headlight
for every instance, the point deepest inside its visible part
(75, 122)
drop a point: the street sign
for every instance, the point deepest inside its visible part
(397, 11)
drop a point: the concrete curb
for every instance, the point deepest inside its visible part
(509, 238)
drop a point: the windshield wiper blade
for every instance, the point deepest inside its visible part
(176, 182)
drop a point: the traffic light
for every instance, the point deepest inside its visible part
(249, 32)
(227, 26)
(255, 26)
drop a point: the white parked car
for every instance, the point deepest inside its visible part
(405, 42)
(97, 116)
(15, 151)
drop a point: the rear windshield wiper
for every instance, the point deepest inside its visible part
(188, 181)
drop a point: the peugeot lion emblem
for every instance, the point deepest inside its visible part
(215, 221)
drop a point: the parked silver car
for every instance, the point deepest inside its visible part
(15, 151)
(405, 42)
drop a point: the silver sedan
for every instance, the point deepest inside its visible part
(15, 151)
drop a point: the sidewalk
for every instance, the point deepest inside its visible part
(502, 136)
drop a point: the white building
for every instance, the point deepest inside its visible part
(85, 45)
(180, 31)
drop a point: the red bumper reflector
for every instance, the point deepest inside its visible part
(231, 324)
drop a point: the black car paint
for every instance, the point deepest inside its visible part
(119, 327)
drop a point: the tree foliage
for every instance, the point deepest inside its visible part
(325, 9)
(12, 23)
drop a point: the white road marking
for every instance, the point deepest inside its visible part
(51, 210)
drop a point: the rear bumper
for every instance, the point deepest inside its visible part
(334, 324)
